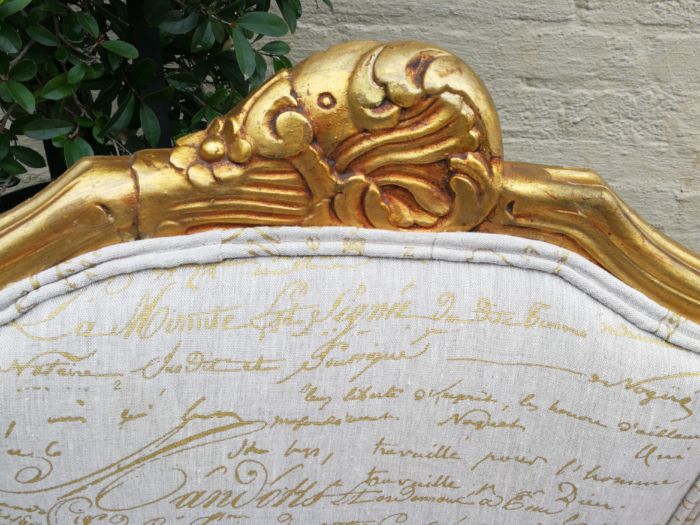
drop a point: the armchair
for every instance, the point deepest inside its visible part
(340, 304)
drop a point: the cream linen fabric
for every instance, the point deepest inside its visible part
(343, 376)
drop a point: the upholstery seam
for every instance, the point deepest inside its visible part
(594, 282)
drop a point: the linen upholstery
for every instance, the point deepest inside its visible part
(337, 375)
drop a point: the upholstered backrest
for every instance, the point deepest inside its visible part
(338, 375)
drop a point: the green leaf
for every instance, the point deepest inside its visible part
(50, 67)
(227, 62)
(155, 11)
(108, 93)
(180, 26)
(47, 128)
(58, 88)
(121, 117)
(55, 6)
(121, 48)
(28, 157)
(329, 4)
(258, 77)
(115, 62)
(162, 95)
(71, 29)
(276, 47)
(34, 15)
(281, 63)
(61, 54)
(203, 37)
(210, 113)
(22, 96)
(197, 117)
(183, 82)
(142, 73)
(150, 125)
(84, 122)
(4, 64)
(263, 23)
(10, 166)
(97, 132)
(88, 23)
(75, 149)
(4, 145)
(290, 13)
(10, 7)
(42, 36)
(10, 42)
(217, 98)
(21, 122)
(5, 93)
(23, 71)
(244, 52)
(76, 73)
(96, 71)
(219, 30)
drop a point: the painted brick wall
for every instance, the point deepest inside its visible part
(609, 84)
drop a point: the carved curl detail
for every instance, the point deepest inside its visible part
(424, 159)
(416, 145)
(269, 125)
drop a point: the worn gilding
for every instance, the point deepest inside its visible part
(398, 136)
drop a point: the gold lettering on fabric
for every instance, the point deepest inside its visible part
(346, 406)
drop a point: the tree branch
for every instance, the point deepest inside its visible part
(22, 53)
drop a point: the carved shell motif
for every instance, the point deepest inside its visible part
(401, 135)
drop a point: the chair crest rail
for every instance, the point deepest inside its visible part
(397, 135)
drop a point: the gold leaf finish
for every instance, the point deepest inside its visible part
(398, 136)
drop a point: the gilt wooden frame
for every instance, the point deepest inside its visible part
(397, 135)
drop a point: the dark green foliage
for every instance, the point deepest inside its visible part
(70, 74)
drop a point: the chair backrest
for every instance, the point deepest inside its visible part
(542, 366)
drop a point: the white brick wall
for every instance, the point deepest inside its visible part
(609, 84)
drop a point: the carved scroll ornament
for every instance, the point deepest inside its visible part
(396, 136)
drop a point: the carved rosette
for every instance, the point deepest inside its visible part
(414, 141)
